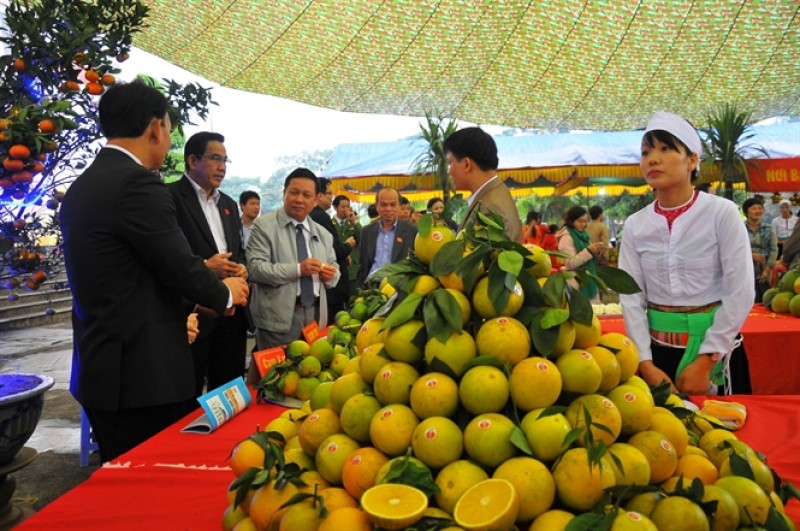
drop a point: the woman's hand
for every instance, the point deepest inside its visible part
(655, 376)
(695, 377)
(759, 258)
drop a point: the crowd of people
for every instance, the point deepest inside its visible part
(169, 279)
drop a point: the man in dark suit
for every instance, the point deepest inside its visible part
(210, 221)
(388, 240)
(472, 155)
(339, 295)
(130, 267)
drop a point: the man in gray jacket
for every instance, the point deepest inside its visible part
(291, 261)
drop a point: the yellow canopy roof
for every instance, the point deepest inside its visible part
(598, 64)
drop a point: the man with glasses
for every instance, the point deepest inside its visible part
(210, 221)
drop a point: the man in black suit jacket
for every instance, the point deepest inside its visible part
(129, 268)
(210, 221)
(388, 229)
(340, 294)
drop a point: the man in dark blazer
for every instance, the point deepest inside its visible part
(339, 295)
(472, 155)
(130, 268)
(210, 221)
(388, 240)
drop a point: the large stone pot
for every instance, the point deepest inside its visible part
(21, 402)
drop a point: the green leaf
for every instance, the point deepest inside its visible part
(534, 296)
(775, 522)
(580, 308)
(297, 498)
(446, 260)
(519, 440)
(741, 466)
(553, 317)
(489, 222)
(661, 393)
(403, 312)
(510, 262)
(618, 280)
(407, 472)
(424, 225)
(497, 291)
(544, 339)
(449, 309)
(553, 290)
(591, 522)
(437, 326)
(437, 365)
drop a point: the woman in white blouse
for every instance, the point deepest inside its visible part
(690, 254)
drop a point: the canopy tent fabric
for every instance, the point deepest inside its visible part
(550, 164)
(594, 64)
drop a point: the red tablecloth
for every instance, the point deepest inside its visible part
(772, 345)
(178, 481)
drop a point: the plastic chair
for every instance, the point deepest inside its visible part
(88, 443)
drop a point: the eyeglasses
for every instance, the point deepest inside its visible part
(216, 159)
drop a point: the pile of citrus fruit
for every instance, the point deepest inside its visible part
(785, 296)
(476, 406)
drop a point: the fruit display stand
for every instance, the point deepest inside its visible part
(772, 345)
(177, 481)
(484, 355)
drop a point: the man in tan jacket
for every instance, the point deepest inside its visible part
(472, 155)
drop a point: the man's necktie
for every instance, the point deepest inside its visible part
(306, 283)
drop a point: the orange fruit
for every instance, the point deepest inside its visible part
(486, 439)
(659, 453)
(361, 469)
(349, 518)
(108, 79)
(484, 306)
(92, 76)
(19, 151)
(602, 411)
(437, 442)
(426, 247)
(579, 485)
(533, 482)
(13, 165)
(331, 456)
(692, 466)
(47, 126)
(505, 338)
(490, 504)
(392, 429)
(535, 382)
(434, 395)
(95, 89)
(247, 454)
(454, 480)
(317, 427)
(394, 506)
(19, 64)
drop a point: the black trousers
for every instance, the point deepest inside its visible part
(219, 356)
(667, 359)
(117, 432)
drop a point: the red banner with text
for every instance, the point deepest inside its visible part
(776, 175)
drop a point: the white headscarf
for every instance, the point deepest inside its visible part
(677, 127)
